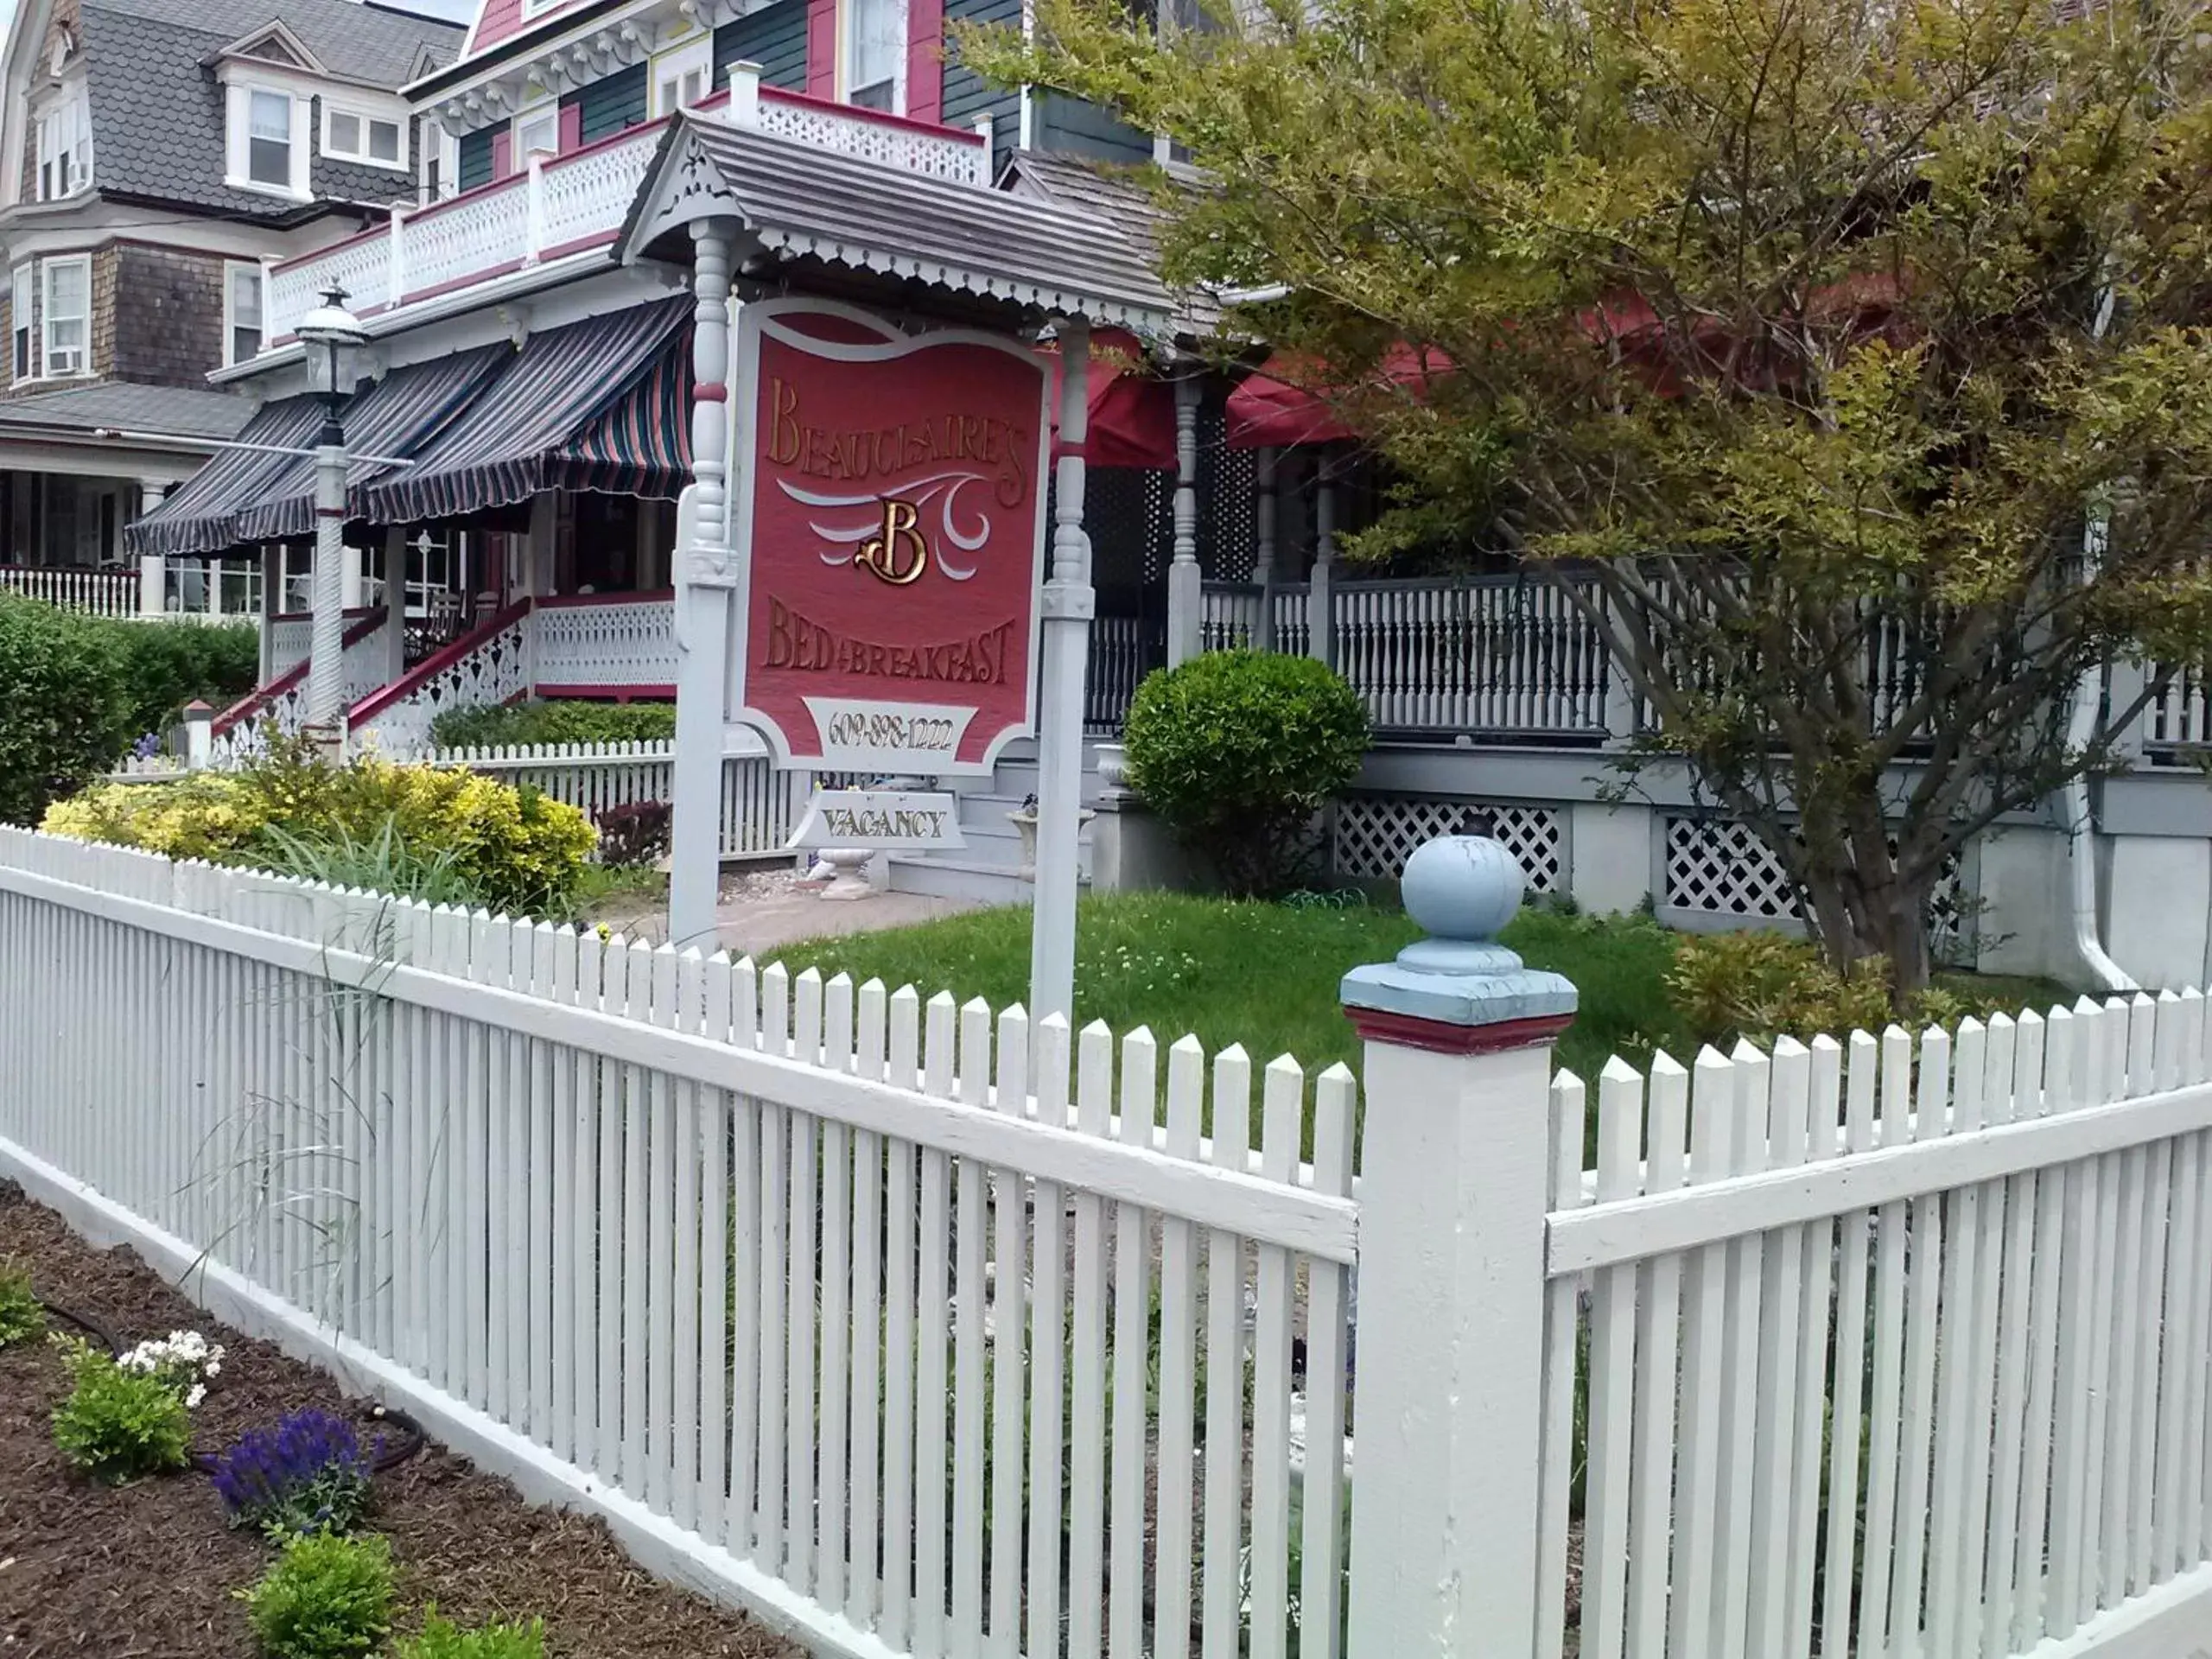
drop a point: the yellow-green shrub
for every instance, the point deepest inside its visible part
(1763, 986)
(515, 850)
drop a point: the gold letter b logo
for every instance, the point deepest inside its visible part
(899, 555)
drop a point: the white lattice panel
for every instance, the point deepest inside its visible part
(1376, 834)
(496, 671)
(958, 157)
(632, 642)
(1720, 868)
(448, 242)
(288, 642)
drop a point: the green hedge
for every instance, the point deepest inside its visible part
(555, 722)
(167, 664)
(69, 709)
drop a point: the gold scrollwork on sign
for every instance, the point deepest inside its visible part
(900, 554)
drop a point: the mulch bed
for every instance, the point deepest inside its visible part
(147, 1571)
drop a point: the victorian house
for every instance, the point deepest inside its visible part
(158, 157)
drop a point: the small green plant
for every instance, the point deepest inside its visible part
(21, 1316)
(327, 1597)
(1238, 751)
(1762, 986)
(119, 1425)
(442, 1639)
(378, 861)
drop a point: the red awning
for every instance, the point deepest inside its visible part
(1132, 413)
(1270, 410)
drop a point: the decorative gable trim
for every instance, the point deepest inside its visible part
(274, 43)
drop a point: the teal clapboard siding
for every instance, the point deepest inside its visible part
(966, 96)
(606, 107)
(475, 158)
(1072, 126)
(774, 37)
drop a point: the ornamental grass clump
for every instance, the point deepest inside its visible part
(442, 1639)
(310, 1473)
(21, 1316)
(118, 1425)
(327, 1597)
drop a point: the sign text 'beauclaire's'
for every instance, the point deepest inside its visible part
(890, 499)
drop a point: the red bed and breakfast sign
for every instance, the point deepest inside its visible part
(889, 527)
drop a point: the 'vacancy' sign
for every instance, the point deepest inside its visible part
(892, 820)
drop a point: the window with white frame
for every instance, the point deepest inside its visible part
(65, 324)
(682, 78)
(350, 135)
(538, 133)
(242, 309)
(876, 54)
(65, 146)
(22, 284)
(441, 154)
(267, 140)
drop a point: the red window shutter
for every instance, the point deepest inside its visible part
(572, 124)
(925, 59)
(822, 47)
(503, 153)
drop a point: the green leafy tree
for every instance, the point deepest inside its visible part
(1794, 341)
(66, 711)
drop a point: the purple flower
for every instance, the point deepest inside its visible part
(308, 1473)
(146, 748)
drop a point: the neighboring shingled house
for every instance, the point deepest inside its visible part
(157, 155)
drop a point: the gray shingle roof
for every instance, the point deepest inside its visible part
(158, 117)
(806, 203)
(1109, 192)
(353, 41)
(177, 411)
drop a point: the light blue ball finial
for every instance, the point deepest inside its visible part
(1465, 888)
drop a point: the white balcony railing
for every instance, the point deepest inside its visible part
(562, 206)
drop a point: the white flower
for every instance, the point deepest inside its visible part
(215, 1368)
(198, 1393)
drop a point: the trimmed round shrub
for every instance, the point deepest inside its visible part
(1237, 751)
(68, 712)
(327, 1597)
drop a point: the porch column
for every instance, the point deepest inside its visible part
(1067, 606)
(535, 579)
(1185, 582)
(395, 602)
(353, 586)
(1263, 554)
(1319, 611)
(153, 568)
(272, 581)
(705, 575)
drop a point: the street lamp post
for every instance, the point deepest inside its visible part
(333, 336)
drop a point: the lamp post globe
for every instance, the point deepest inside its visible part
(332, 337)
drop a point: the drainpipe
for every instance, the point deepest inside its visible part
(2081, 824)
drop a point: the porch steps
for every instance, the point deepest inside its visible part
(988, 869)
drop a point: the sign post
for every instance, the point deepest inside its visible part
(1069, 603)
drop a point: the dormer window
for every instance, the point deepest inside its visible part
(65, 146)
(350, 134)
(876, 54)
(267, 140)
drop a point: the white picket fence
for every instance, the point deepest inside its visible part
(1977, 1267)
(977, 1330)
(924, 1331)
(761, 805)
(74, 587)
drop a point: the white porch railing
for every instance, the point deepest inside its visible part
(2178, 724)
(595, 643)
(241, 730)
(97, 593)
(489, 666)
(1228, 616)
(574, 204)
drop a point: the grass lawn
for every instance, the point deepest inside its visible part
(1266, 975)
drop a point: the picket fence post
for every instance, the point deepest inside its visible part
(1455, 1183)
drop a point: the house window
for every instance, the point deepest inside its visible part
(440, 164)
(268, 138)
(65, 147)
(241, 313)
(68, 314)
(20, 288)
(682, 78)
(875, 52)
(537, 134)
(353, 136)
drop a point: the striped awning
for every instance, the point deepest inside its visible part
(200, 515)
(398, 415)
(596, 405)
